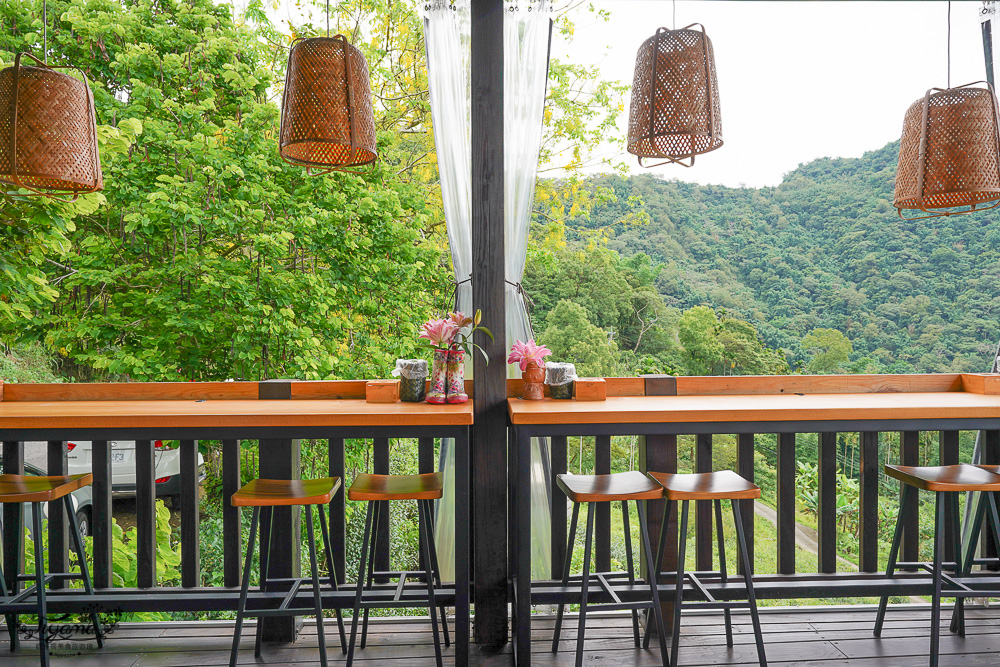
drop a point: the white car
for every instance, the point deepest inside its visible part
(166, 465)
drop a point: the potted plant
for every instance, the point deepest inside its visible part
(529, 357)
(452, 340)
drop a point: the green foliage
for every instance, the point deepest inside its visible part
(823, 250)
(214, 259)
(572, 338)
(830, 349)
(26, 363)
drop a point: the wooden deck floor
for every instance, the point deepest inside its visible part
(794, 638)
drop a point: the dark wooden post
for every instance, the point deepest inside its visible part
(909, 455)
(57, 463)
(827, 509)
(279, 459)
(948, 455)
(658, 453)
(489, 432)
(991, 456)
(101, 523)
(703, 537)
(869, 471)
(13, 518)
(145, 513)
(190, 515)
(232, 534)
(745, 452)
(786, 503)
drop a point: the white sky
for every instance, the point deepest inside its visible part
(797, 80)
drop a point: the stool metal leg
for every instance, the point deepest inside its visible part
(265, 563)
(333, 577)
(9, 618)
(748, 578)
(241, 607)
(723, 575)
(939, 519)
(890, 567)
(436, 568)
(655, 572)
(958, 616)
(588, 543)
(679, 592)
(653, 586)
(361, 583)
(317, 597)
(370, 579)
(631, 567)
(43, 622)
(566, 566)
(88, 586)
(424, 523)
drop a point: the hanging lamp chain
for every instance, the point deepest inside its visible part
(45, 31)
(327, 18)
(949, 44)
(674, 6)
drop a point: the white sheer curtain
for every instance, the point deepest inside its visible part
(526, 36)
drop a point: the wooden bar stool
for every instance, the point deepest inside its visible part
(271, 493)
(623, 487)
(37, 490)
(715, 486)
(377, 489)
(946, 482)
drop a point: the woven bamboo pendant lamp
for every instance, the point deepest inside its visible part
(675, 112)
(949, 154)
(48, 134)
(327, 120)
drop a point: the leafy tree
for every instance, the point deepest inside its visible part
(831, 349)
(572, 338)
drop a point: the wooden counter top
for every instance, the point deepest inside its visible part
(223, 413)
(760, 408)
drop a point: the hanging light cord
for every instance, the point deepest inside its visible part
(327, 18)
(675, 14)
(45, 31)
(949, 43)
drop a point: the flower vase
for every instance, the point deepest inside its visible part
(438, 390)
(533, 376)
(456, 377)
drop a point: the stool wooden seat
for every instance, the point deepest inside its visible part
(37, 489)
(17, 489)
(281, 492)
(377, 490)
(616, 487)
(271, 493)
(946, 483)
(397, 487)
(958, 477)
(716, 485)
(632, 485)
(711, 487)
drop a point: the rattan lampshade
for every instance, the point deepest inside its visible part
(675, 112)
(949, 155)
(327, 120)
(48, 131)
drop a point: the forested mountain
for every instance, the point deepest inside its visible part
(823, 250)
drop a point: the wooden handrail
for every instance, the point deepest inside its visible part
(976, 383)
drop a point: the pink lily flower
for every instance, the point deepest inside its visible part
(522, 353)
(439, 332)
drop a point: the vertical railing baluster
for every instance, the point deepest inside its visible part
(232, 533)
(827, 503)
(338, 509)
(869, 473)
(990, 456)
(425, 464)
(948, 455)
(703, 508)
(145, 513)
(557, 509)
(101, 521)
(786, 503)
(190, 518)
(602, 466)
(745, 452)
(381, 467)
(909, 455)
(57, 463)
(13, 518)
